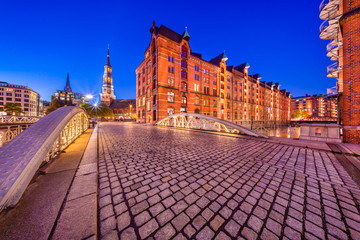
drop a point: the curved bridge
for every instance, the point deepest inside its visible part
(21, 157)
(200, 121)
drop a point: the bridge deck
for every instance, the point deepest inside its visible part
(165, 183)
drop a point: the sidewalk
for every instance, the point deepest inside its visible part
(36, 214)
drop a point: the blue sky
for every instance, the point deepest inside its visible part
(40, 41)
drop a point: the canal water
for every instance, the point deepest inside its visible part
(281, 131)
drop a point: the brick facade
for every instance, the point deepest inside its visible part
(173, 79)
(350, 25)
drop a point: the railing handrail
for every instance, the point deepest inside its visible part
(323, 4)
(21, 157)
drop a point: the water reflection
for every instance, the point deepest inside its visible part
(281, 131)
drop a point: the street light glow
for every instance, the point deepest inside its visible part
(89, 96)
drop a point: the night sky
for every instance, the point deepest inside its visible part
(40, 41)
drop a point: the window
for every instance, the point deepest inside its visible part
(214, 82)
(214, 92)
(236, 115)
(183, 64)
(235, 106)
(25, 100)
(196, 68)
(215, 113)
(228, 115)
(17, 99)
(222, 95)
(171, 81)
(172, 59)
(215, 75)
(184, 51)
(228, 87)
(170, 111)
(196, 77)
(138, 114)
(148, 106)
(1, 94)
(197, 111)
(183, 100)
(26, 109)
(171, 97)
(10, 94)
(183, 87)
(228, 105)
(169, 58)
(215, 103)
(197, 100)
(143, 113)
(222, 86)
(183, 74)
(196, 87)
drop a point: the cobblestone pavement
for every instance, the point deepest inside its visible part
(165, 183)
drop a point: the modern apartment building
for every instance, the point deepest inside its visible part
(28, 99)
(173, 79)
(314, 106)
(342, 27)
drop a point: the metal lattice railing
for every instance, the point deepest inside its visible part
(205, 122)
(21, 157)
(18, 119)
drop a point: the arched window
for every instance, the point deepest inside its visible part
(171, 97)
(197, 100)
(183, 87)
(184, 51)
(197, 111)
(183, 100)
(170, 111)
(215, 114)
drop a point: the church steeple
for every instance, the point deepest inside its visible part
(67, 86)
(107, 95)
(108, 57)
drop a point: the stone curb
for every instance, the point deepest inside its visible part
(78, 218)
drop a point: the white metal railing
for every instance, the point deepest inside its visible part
(42, 141)
(333, 70)
(18, 119)
(205, 122)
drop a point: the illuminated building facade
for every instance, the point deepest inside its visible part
(67, 96)
(173, 79)
(107, 95)
(28, 99)
(315, 106)
(342, 27)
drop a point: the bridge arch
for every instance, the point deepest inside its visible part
(21, 157)
(206, 122)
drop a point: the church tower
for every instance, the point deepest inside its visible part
(107, 95)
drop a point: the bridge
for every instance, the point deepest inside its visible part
(22, 157)
(138, 181)
(205, 122)
(11, 126)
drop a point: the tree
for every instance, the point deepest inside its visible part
(300, 113)
(12, 108)
(55, 104)
(102, 110)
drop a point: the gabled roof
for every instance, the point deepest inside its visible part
(198, 55)
(241, 67)
(256, 76)
(186, 35)
(217, 60)
(168, 33)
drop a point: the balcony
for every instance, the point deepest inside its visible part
(333, 70)
(329, 9)
(329, 29)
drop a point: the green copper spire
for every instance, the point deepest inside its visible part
(224, 57)
(186, 35)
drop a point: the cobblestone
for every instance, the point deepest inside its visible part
(163, 183)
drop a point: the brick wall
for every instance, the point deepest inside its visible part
(351, 71)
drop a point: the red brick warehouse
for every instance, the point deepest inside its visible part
(350, 29)
(173, 79)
